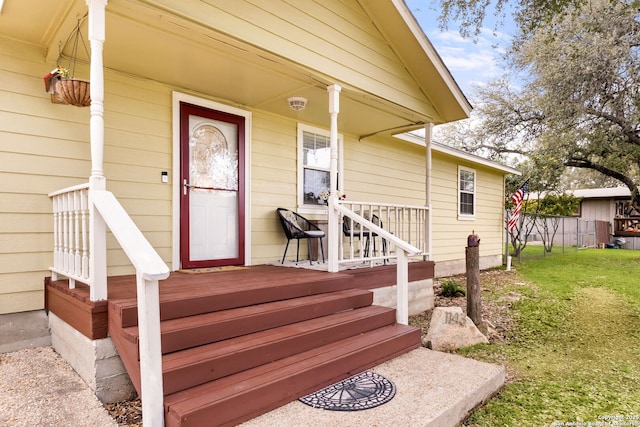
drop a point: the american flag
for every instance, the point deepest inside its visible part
(517, 198)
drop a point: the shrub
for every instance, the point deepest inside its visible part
(452, 289)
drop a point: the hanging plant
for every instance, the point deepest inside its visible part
(74, 91)
(60, 82)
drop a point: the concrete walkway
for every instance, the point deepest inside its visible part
(432, 388)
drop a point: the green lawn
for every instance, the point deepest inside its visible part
(574, 350)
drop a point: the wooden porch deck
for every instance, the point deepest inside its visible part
(91, 317)
(237, 343)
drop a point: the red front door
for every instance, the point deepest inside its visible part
(212, 177)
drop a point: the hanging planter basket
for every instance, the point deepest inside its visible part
(74, 92)
(60, 83)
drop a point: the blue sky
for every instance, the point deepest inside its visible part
(469, 61)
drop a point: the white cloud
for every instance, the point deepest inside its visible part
(470, 61)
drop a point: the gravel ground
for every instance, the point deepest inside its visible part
(38, 388)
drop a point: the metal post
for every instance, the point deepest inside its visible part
(563, 243)
(402, 289)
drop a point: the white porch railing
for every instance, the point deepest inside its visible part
(391, 231)
(72, 208)
(407, 223)
(71, 234)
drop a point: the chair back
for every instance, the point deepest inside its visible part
(349, 226)
(294, 225)
(376, 220)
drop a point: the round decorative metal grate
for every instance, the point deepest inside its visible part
(363, 391)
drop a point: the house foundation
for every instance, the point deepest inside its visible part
(458, 266)
(421, 296)
(24, 330)
(96, 361)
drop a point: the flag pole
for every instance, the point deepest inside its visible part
(514, 220)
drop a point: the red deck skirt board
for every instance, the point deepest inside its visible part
(88, 317)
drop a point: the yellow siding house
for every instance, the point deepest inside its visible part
(172, 68)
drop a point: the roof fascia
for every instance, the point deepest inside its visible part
(459, 154)
(433, 54)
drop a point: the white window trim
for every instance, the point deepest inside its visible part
(315, 209)
(464, 216)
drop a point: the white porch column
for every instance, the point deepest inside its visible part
(428, 138)
(333, 229)
(96, 24)
(98, 236)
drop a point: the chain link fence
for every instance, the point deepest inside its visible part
(549, 235)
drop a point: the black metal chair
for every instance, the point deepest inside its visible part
(298, 227)
(351, 229)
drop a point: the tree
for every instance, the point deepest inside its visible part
(550, 209)
(528, 14)
(585, 178)
(586, 80)
(544, 214)
(578, 105)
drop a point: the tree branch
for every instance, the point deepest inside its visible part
(588, 164)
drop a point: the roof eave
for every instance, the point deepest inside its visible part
(462, 155)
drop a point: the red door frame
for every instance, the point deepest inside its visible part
(186, 110)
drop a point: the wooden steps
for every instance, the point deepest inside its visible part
(207, 363)
(243, 355)
(207, 297)
(250, 393)
(192, 331)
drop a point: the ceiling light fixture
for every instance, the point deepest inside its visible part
(297, 103)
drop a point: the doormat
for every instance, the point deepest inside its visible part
(211, 269)
(363, 391)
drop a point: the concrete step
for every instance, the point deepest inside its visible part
(433, 389)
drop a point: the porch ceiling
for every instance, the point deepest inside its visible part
(150, 43)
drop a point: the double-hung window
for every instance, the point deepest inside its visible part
(466, 193)
(314, 165)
